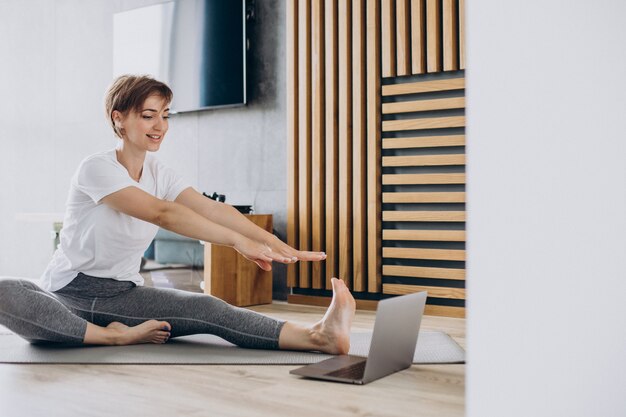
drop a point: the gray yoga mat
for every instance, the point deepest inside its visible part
(204, 349)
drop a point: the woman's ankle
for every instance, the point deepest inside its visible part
(96, 335)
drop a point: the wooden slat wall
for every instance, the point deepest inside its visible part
(345, 141)
(423, 229)
(359, 148)
(388, 31)
(349, 136)
(374, 147)
(335, 141)
(461, 10)
(332, 143)
(450, 36)
(292, 133)
(403, 38)
(418, 36)
(304, 135)
(433, 37)
(422, 36)
(318, 145)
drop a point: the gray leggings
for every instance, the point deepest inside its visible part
(40, 316)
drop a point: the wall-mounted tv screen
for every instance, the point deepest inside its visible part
(198, 47)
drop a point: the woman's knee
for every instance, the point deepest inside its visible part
(8, 285)
(12, 292)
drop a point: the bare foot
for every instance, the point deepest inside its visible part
(332, 333)
(151, 331)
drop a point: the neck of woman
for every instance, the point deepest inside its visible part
(131, 159)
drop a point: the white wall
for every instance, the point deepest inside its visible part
(56, 66)
(57, 61)
(547, 208)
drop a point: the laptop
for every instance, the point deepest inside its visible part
(393, 345)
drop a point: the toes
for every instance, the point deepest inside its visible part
(338, 283)
(339, 286)
(162, 336)
(160, 339)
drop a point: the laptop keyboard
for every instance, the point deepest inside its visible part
(354, 371)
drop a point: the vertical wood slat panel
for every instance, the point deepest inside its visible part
(433, 37)
(374, 146)
(292, 132)
(317, 133)
(332, 143)
(359, 189)
(450, 36)
(388, 44)
(418, 37)
(403, 38)
(345, 142)
(304, 146)
(462, 34)
(325, 123)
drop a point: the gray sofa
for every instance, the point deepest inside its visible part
(172, 248)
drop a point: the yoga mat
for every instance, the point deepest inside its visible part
(201, 349)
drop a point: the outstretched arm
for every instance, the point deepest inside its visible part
(228, 216)
(185, 221)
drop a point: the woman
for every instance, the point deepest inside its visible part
(92, 292)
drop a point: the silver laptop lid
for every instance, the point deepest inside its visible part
(395, 333)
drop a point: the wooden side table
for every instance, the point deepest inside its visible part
(233, 278)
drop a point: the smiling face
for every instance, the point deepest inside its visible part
(144, 130)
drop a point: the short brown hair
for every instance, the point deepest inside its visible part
(128, 92)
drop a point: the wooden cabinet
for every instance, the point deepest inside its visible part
(233, 278)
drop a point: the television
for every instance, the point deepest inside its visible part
(198, 47)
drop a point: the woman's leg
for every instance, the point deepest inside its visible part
(192, 313)
(332, 333)
(81, 295)
(187, 313)
(37, 315)
(41, 317)
(150, 331)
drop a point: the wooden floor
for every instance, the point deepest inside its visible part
(232, 390)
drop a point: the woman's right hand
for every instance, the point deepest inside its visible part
(257, 252)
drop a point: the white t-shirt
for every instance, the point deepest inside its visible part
(98, 240)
